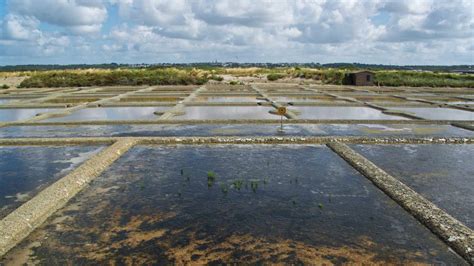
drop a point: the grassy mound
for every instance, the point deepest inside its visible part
(123, 77)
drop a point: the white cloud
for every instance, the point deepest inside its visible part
(245, 30)
(16, 27)
(80, 16)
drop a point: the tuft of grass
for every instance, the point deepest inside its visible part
(211, 178)
(224, 188)
(254, 185)
(4, 86)
(237, 184)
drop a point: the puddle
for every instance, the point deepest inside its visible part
(438, 113)
(227, 112)
(27, 170)
(224, 99)
(229, 204)
(111, 113)
(20, 114)
(343, 113)
(444, 174)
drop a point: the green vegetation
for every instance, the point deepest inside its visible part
(4, 86)
(215, 77)
(211, 178)
(236, 82)
(275, 76)
(428, 79)
(200, 75)
(224, 188)
(124, 77)
(254, 185)
(237, 184)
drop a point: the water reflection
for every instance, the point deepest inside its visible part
(225, 99)
(26, 170)
(356, 113)
(233, 130)
(442, 173)
(20, 114)
(227, 112)
(439, 113)
(112, 113)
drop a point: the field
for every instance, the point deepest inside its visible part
(195, 166)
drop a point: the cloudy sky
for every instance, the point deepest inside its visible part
(152, 31)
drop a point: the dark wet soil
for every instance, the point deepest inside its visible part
(232, 204)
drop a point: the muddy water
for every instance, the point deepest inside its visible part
(20, 114)
(112, 113)
(233, 130)
(227, 112)
(444, 174)
(439, 113)
(24, 171)
(228, 204)
(324, 112)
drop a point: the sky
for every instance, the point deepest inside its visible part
(403, 32)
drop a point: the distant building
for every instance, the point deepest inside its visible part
(361, 78)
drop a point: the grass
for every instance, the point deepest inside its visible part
(237, 184)
(211, 178)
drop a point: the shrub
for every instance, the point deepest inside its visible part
(275, 76)
(215, 77)
(127, 77)
(4, 86)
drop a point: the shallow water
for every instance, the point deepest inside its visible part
(20, 114)
(343, 113)
(438, 113)
(233, 130)
(444, 174)
(227, 112)
(215, 99)
(112, 113)
(306, 99)
(228, 204)
(27, 170)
